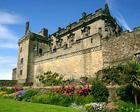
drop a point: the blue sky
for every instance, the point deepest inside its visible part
(52, 14)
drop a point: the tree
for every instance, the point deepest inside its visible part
(132, 73)
(127, 73)
(99, 91)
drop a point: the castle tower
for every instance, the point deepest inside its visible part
(30, 46)
(23, 56)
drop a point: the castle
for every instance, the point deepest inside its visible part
(81, 49)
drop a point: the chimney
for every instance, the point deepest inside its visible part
(44, 32)
(27, 27)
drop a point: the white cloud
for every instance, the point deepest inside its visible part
(8, 59)
(123, 22)
(6, 34)
(8, 39)
(9, 18)
(7, 63)
(119, 16)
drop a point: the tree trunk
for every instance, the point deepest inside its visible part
(136, 101)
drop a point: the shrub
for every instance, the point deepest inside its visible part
(55, 99)
(58, 99)
(126, 107)
(7, 90)
(29, 94)
(11, 96)
(125, 93)
(80, 100)
(65, 100)
(99, 92)
(2, 93)
(85, 90)
(41, 98)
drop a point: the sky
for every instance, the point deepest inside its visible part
(52, 14)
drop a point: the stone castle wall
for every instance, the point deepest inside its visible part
(83, 58)
(121, 48)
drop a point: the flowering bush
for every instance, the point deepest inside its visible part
(2, 93)
(100, 107)
(69, 90)
(19, 94)
(85, 90)
(12, 96)
(17, 88)
(57, 90)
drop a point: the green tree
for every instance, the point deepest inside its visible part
(99, 91)
(132, 73)
(127, 73)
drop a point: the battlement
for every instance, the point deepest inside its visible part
(86, 19)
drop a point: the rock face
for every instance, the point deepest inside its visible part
(79, 50)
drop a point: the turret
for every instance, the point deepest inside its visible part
(27, 27)
(44, 32)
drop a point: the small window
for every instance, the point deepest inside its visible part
(40, 52)
(20, 72)
(34, 47)
(100, 31)
(21, 61)
(54, 49)
(91, 40)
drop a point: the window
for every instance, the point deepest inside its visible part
(100, 31)
(21, 61)
(40, 52)
(54, 49)
(91, 40)
(34, 47)
(20, 72)
(85, 31)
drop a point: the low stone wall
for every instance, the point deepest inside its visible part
(8, 83)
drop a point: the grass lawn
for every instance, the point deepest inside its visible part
(8, 105)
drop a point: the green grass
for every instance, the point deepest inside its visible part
(8, 105)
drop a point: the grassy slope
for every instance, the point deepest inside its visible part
(7, 105)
